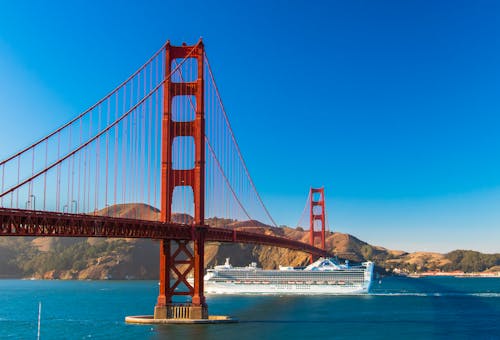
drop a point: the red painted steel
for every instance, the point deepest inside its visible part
(171, 178)
(317, 216)
(20, 222)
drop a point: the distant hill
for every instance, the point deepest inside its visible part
(100, 258)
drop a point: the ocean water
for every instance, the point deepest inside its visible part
(423, 308)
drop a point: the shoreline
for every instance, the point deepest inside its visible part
(456, 274)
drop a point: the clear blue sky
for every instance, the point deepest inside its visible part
(393, 106)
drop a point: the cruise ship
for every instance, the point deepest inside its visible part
(324, 276)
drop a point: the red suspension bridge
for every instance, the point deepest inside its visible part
(161, 138)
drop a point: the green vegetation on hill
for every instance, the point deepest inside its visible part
(73, 257)
(22, 258)
(471, 261)
(13, 252)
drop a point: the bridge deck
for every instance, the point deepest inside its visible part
(20, 222)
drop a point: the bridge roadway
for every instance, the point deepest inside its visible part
(21, 222)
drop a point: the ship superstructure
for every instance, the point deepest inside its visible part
(324, 276)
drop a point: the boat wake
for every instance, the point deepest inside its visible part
(434, 294)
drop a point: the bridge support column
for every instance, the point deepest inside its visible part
(164, 296)
(199, 268)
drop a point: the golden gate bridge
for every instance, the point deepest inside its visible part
(161, 138)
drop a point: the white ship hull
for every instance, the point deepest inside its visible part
(323, 277)
(283, 289)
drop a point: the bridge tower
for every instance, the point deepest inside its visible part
(175, 256)
(317, 217)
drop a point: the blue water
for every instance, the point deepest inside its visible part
(399, 307)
